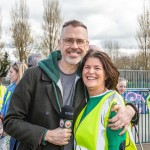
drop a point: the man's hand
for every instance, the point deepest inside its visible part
(122, 118)
(59, 136)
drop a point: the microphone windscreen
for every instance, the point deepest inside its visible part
(67, 112)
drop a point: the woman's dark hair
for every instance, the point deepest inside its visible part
(111, 72)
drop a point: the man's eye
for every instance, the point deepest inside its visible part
(80, 41)
(68, 40)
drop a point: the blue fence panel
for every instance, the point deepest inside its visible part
(138, 97)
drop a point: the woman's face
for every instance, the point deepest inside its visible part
(93, 75)
(122, 86)
(13, 75)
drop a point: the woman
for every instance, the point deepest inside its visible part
(100, 77)
(16, 72)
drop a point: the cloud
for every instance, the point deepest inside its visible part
(105, 19)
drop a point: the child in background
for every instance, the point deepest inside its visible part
(121, 86)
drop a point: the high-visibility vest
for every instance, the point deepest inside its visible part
(148, 103)
(7, 98)
(90, 133)
(2, 93)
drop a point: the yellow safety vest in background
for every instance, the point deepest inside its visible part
(2, 93)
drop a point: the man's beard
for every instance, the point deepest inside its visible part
(73, 61)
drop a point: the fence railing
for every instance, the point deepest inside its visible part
(136, 78)
(143, 127)
(138, 97)
(138, 89)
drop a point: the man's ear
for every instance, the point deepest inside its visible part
(88, 44)
(59, 42)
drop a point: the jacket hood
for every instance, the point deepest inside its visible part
(50, 67)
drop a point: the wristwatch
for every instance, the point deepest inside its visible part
(135, 118)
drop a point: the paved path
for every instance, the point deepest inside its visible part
(145, 147)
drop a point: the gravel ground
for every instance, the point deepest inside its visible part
(145, 147)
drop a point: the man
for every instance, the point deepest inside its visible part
(122, 84)
(33, 59)
(34, 113)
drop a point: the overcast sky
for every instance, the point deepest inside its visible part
(105, 19)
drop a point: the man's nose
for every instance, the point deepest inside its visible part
(74, 44)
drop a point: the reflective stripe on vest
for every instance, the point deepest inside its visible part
(93, 127)
(8, 95)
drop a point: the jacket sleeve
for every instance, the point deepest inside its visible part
(16, 121)
(115, 141)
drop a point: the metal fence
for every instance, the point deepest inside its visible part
(143, 127)
(138, 97)
(136, 78)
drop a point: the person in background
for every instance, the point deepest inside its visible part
(100, 77)
(33, 116)
(33, 59)
(95, 47)
(2, 93)
(148, 102)
(121, 86)
(16, 72)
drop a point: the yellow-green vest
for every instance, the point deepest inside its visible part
(90, 133)
(148, 103)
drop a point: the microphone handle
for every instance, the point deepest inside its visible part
(65, 123)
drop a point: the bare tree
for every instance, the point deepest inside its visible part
(0, 34)
(4, 60)
(143, 34)
(1, 43)
(21, 30)
(112, 49)
(0, 24)
(51, 25)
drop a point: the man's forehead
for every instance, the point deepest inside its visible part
(76, 31)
